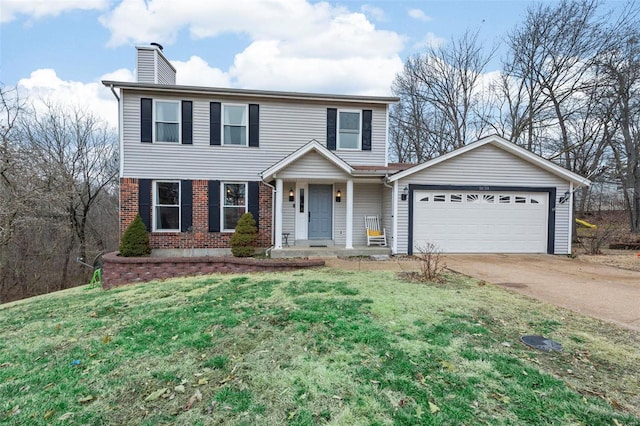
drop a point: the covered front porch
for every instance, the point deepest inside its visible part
(320, 204)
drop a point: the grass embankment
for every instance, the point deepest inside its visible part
(310, 347)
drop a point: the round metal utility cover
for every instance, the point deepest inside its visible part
(541, 343)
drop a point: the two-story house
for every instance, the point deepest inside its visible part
(194, 159)
(309, 167)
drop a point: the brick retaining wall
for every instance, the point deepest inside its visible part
(118, 270)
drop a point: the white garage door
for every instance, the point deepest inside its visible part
(480, 222)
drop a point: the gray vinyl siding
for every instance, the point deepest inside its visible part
(166, 74)
(146, 61)
(312, 166)
(488, 166)
(367, 200)
(284, 127)
(340, 217)
(289, 212)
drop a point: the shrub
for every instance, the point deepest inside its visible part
(431, 265)
(244, 239)
(135, 241)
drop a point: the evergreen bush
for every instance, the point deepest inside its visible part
(135, 241)
(244, 239)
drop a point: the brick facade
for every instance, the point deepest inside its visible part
(199, 237)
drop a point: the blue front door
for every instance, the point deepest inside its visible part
(320, 213)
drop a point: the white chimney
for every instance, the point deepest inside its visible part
(152, 66)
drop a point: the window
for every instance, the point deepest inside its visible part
(439, 198)
(505, 199)
(166, 206)
(488, 198)
(234, 118)
(456, 198)
(167, 121)
(349, 130)
(234, 204)
(520, 199)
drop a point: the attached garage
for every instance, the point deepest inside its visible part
(489, 221)
(490, 196)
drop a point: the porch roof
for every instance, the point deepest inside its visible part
(332, 158)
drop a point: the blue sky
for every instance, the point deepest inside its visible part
(61, 49)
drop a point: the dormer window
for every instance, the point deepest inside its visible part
(349, 129)
(167, 121)
(235, 129)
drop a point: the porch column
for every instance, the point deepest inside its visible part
(278, 226)
(349, 242)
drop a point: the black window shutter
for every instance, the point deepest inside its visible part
(186, 205)
(332, 122)
(144, 201)
(254, 201)
(214, 206)
(187, 122)
(215, 113)
(146, 120)
(254, 125)
(366, 130)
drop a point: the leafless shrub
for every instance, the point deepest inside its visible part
(593, 240)
(431, 263)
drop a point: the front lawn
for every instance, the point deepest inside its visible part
(312, 347)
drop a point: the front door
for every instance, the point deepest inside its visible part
(320, 212)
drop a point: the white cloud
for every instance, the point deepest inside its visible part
(44, 85)
(419, 15)
(197, 72)
(294, 45)
(374, 12)
(430, 41)
(265, 65)
(41, 8)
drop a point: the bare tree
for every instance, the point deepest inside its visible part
(619, 67)
(76, 154)
(551, 58)
(439, 92)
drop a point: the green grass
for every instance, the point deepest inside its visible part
(313, 347)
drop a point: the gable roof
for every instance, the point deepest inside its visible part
(505, 145)
(311, 146)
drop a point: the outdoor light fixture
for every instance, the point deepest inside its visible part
(338, 196)
(291, 198)
(405, 191)
(565, 197)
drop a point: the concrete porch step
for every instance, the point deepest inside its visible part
(291, 252)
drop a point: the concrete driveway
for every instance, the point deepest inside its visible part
(603, 292)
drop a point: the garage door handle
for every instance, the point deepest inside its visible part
(309, 213)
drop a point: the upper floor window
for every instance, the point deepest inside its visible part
(166, 206)
(349, 130)
(167, 121)
(235, 128)
(234, 204)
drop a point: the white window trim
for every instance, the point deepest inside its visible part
(223, 205)
(359, 148)
(246, 127)
(155, 111)
(154, 205)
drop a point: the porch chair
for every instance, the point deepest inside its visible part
(375, 233)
